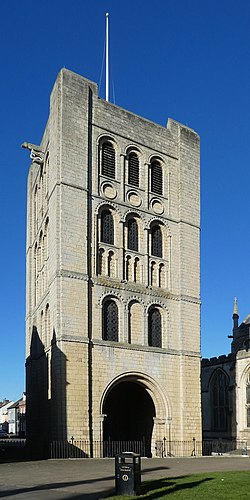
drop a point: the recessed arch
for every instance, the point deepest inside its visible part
(149, 408)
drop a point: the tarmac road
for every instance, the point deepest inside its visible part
(93, 479)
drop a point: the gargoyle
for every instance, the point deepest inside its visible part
(36, 153)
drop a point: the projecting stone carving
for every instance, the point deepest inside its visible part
(36, 153)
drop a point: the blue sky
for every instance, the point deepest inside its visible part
(184, 59)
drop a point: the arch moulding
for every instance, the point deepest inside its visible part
(161, 403)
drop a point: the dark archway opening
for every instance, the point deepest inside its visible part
(129, 412)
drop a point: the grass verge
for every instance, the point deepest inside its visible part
(210, 485)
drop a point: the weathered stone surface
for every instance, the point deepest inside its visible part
(66, 289)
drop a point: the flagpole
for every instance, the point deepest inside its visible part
(107, 56)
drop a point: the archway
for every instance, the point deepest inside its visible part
(129, 414)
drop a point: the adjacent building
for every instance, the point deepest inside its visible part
(226, 389)
(113, 276)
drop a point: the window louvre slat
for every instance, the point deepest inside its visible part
(156, 177)
(108, 160)
(133, 169)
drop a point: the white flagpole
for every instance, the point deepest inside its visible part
(107, 56)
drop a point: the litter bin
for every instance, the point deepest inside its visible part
(127, 473)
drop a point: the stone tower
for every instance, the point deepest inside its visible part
(113, 275)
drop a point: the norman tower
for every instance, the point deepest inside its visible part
(113, 275)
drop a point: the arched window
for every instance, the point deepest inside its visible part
(219, 395)
(110, 321)
(108, 160)
(107, 227)
(154, 328)
(156, 241)
(101, 263)
(132, 235)
(156, 177)
(153, 274)
(133, 169)
(162, 276)
(136, 270)
(128, 269)
(111, 265)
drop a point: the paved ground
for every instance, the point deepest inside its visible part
(94, 479)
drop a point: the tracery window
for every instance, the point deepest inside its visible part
(110, 321)
(108, 159)
(107, 227)
(132, 235)
(154, 328)
(133, 169)
(220, 401)
(156, 241)
(156, 177)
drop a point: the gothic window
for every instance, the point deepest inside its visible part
(110, 321)
(219, 401)
(108, 160)
(154, 328)
(156, 177)
(133, 169)
(156, 241)
(132, 235)
(107, 227)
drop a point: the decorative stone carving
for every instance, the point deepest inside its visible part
(157, 206)
(36, 153)
(134, 199)
(109, 191)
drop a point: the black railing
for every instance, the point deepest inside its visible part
(78, 448)
(222, 446)
(12, 449)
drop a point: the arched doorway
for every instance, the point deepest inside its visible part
(129, 414)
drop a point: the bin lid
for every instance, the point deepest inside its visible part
(128, 454)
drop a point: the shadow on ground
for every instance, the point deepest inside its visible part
(163, 487)
(168, 486)
(57, 486)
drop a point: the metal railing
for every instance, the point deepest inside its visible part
(222, 446)
(12, 449)
(78, 448)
